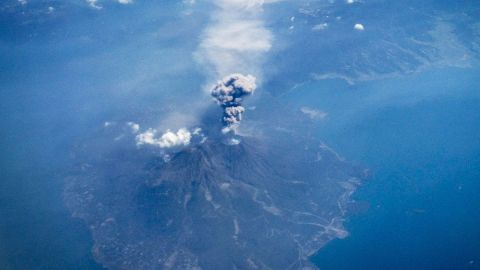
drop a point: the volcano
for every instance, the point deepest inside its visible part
(260, 204)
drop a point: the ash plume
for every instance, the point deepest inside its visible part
(236, 39)
(229, 93)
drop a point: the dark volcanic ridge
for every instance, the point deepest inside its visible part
(259, 204)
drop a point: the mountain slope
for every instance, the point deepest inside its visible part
(259, 204)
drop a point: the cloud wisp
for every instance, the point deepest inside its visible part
(313, 113)
(95, 3)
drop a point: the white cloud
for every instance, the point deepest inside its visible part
(107, 124)
(359, 27)
(313, 114)
(353, 1)
(168, 139)
(134, 126)
(320, 27)
(233, 141)
(93, 4)
(244, 4)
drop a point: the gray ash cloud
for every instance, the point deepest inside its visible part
(229, 93)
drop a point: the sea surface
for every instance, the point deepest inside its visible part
(420, 137)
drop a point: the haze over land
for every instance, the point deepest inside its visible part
(227, 134)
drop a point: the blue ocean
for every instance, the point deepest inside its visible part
(424, 207)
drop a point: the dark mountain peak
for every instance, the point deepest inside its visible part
(214, 161)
